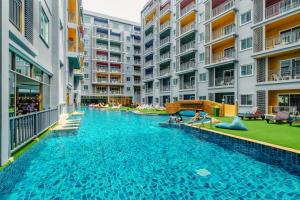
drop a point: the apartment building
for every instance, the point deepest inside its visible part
(112, 60)
(231, 51)
(40, 51)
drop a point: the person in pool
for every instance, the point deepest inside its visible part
(197, 116)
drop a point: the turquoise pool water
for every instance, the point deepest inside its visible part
(117, 155)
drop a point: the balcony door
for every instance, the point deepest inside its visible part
(289, 102)
(228, 75)
(228, 53)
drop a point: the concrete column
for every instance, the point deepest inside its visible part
(4, 88)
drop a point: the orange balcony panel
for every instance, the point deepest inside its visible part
(150, 16)
(188, 19)
(285, 23)
(227, 19)
(165, 18)
(224, 44)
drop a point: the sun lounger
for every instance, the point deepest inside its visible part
(281, 116)
(253, 114)
(294, 119)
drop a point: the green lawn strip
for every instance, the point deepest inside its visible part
(278, 134)
(19, 152)
(152, 111)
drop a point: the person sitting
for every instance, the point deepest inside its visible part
(196, 117)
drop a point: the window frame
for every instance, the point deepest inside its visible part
(248, 48)
(247, 95)
(241, 24)
(44, 16)
(252, 70)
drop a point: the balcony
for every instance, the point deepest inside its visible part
(188, 46)
(149, 64)
(137, 52)
(223, 56)
(101, 80)
(101, 92)
(102, 36)
(137, 72)
(115, 70)
(223, 82)
(224, 31)
(116, 81)
(72, 17)
(137, 62)
(148, 76)
(187, 86)
(101, 24)
(137, 82)
(102, 47)
(165, 9)
(115, 59)
(148, 50)
(102, 69)
(102, 58)
(165, 57)
(148, 25)
(187, 9)
(148, 37)
(116, 92)
(165, 88)
(137, 42)
(115, 49)
(164, 72)
(186, 66)
(72, 46)
(280, 41)
(164, 41)
(288, 76)
(165, 25)
(281, 7)
(149, 90)
(227, 5)
(188, 27)
(115, 38)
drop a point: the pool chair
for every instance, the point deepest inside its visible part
(294, 119)
(236, 124)
(280, 117)
(253, 114)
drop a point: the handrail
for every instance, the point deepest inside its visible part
(223, 7)
(281, 7)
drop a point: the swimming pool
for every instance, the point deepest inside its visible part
(117, 155)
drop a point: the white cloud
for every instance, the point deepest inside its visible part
(125, 9)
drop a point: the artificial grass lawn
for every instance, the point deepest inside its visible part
(279, 134)
(143, 111)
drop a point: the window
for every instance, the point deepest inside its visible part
(128, 59)
(202, 77)
(246, 43)
(290, 68)
(128, 38)
(201, 17)
(246, 70)
(246, 99)
(245, 17)
(22, 66)
(201, 57)
(86, 76)
(202, 97)
(201, 37)
(128, 89)
(15, 13)
(175, 99)
(128, 48)
(85, 87)
(44, 27)
(128, 79)
(175, 81)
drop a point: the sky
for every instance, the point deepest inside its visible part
(125, 9)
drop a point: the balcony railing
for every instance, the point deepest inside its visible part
(221, 56)
(281, 7)
(137, 62)
(101, 24)
(102, 35)
(164, 72)
(227, 5)
(137, 82)
(27, 127)
(102, 47)
(137, 52)
(149, 63)
(72, 46)
(101, 80)
(116, 38)
(149, 37)
(278, 41)
(224, 81)
(115, 70)
(148, 50)
(116, 81)
(221, 32)
(276, 77)
(101, 69)
(167, 7)
(165, 88)
(102, 92)
(164, 41)
(187, 66)
(115, 59)
(165, 25)
(148, 24)
(148, 76)
(187, 86)
(188, 46)
(72, 17)
(149, 90)
(165, 56)
(115, 92)
(102, 58)
(116, 49)
(187, 9)
(188, 27)
(137, 41)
